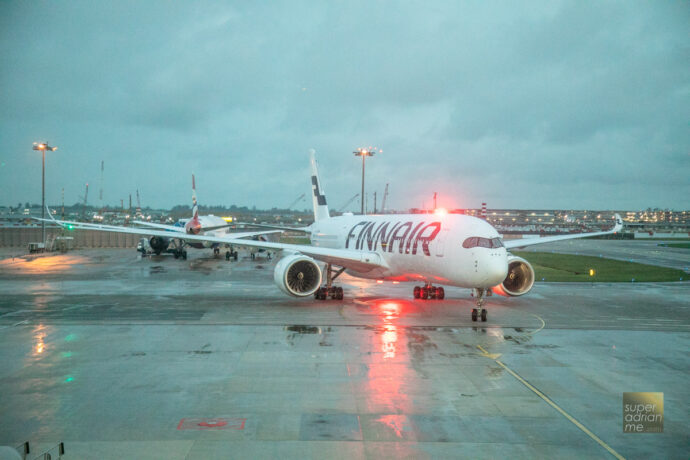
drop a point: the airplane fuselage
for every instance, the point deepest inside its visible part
(420, 247)
(206, 221)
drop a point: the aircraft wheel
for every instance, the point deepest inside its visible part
(483, 316)
(440, 293)
(184, 255)
(416, 292)
(340, 294)
(474, 314)
(227, 255)
(423, 293)
(176, 255)
(234, 256)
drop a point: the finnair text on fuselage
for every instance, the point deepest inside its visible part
(408, 234)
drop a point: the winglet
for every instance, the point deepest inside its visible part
(619, 224)
(50, 214)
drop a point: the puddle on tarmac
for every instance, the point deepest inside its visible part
(157, 269)
(202, 266)
(304, 329)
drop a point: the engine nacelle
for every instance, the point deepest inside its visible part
(520, 278)
(297, 275)
(159, 244)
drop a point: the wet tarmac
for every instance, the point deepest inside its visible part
(123, 357)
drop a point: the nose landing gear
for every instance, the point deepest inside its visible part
(479, 312)
(429, 292)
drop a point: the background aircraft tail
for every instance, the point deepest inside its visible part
(318, 196)
(195, 208)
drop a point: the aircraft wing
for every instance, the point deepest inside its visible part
(154, 232)
(520, 243)
(355, 260)
(278, 227)
(178, 229)
(170, 228)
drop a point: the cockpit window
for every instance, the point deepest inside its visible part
(479, 242)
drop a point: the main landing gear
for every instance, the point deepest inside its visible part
(480, 312)
(429, 292)
(178, 249)
(231, 254)
(334, 292)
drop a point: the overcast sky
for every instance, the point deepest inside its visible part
(551, 104)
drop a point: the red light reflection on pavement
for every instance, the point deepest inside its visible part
(389, 371)
(398, 424)
(212, 423)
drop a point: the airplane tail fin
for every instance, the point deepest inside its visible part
(318, 196)
(195, 208)
(619, 224)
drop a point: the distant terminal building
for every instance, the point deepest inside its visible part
(554, 221)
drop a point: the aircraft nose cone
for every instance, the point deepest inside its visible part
(496, 268)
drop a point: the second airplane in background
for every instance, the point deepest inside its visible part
(176, 238)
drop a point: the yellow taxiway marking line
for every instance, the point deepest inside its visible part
(486, 354)
(554, 405)
(543, 324)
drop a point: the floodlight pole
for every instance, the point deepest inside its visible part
(43, 146)
(364, 153)
(43, 196)
(364, 157)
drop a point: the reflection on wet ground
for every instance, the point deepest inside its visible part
(42, 264)
(115, 361)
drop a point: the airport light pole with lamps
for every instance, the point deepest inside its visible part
(43, 146)
(364, 153)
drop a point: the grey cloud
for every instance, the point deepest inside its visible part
(473, 100)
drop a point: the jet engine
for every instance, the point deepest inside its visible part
(159, 244)
(297, 275)
(520, 278)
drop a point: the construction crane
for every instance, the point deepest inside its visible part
(85, 198)
(100, 196)
(348, 203)
(383, 201)
(296, 201)
(138, 210)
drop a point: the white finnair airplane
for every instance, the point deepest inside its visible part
(451, 249)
